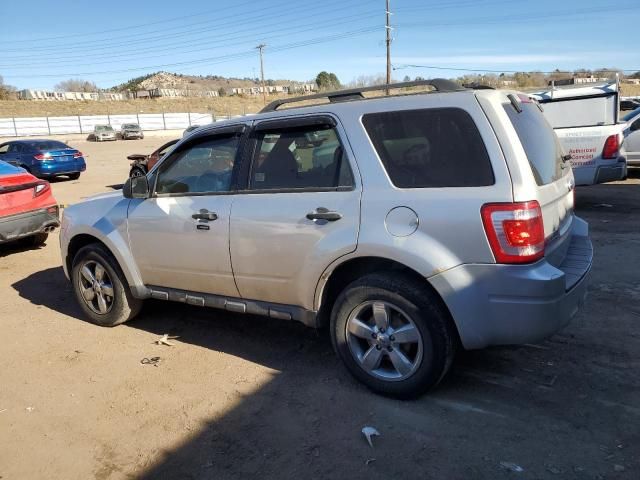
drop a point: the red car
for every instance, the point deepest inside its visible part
(27, 207)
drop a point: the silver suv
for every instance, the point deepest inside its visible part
(411, 225)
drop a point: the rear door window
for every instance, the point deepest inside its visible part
(539, 141)
(306, 157)
(430, 148)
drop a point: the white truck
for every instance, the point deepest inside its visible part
(585, 119)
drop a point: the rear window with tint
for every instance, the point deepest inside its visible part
(52, 145)
(539, 142)
(430, 148)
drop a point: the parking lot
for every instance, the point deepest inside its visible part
(242, 397)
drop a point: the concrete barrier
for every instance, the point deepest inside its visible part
(83, 124)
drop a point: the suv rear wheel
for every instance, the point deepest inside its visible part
(100, 287)
(392, 334)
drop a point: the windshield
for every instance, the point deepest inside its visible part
(104, 128)
(631, 114)
(131, 126)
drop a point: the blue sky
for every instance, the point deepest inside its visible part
(111, 42)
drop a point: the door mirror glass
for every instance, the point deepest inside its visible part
(136, 187)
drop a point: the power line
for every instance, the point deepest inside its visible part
(173, 19)
(218, 59)
(230, 41)
(216, 25)
(481, 70)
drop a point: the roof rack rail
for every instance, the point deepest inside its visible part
(478, 86)
(440, 84)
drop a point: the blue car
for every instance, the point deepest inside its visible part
(44, 158)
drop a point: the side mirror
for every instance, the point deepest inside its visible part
(136, 187)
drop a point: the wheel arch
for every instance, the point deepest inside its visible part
(83, 239)
(346, 272)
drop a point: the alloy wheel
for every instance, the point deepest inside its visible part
(384, 340)
(96, 287)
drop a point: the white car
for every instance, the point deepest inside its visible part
(632, 137)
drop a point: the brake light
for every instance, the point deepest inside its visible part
(40, 189)
(78, 154)
(611, 147)
(42, 156)
(515, 231)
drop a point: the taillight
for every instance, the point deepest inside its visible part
(515, 231)
(611, 147)
(42, 156)
(40, 188)
(78, 154)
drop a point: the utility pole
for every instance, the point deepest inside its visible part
(264, 90)
(388, 28)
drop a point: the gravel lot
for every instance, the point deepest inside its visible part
(242, 397)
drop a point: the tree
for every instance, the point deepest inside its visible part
(76, 85)
(6, 91)
(406, 78)
(327, 81)
(222, 92)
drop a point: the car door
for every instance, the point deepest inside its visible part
(300, 210)
(180, 235)
(632, 141)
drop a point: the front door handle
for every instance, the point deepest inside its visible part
(204, 214)
(322, 213)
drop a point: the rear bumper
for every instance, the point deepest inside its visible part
(50, 169)
(494, 304)
(595, 174)
(14, 227)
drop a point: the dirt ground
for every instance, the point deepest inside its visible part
(247, 397)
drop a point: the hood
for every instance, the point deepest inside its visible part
(105, 195)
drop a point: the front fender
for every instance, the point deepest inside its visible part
(110, 228)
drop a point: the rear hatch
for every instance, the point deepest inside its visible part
(552, 173)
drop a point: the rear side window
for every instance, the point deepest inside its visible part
(430, 148)
(300, 158)
(538, 140)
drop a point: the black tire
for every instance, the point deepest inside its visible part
(137, 172)
(422, 307)
(123, 305)
(74, 176)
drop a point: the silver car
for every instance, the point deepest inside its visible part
(632, 137)
(438, 220)
(131, 130)
(103, 133)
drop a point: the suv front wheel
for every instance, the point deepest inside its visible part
(392, 334)
(100, 287)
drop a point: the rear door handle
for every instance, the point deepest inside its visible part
(204, 214)
(322, 213)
